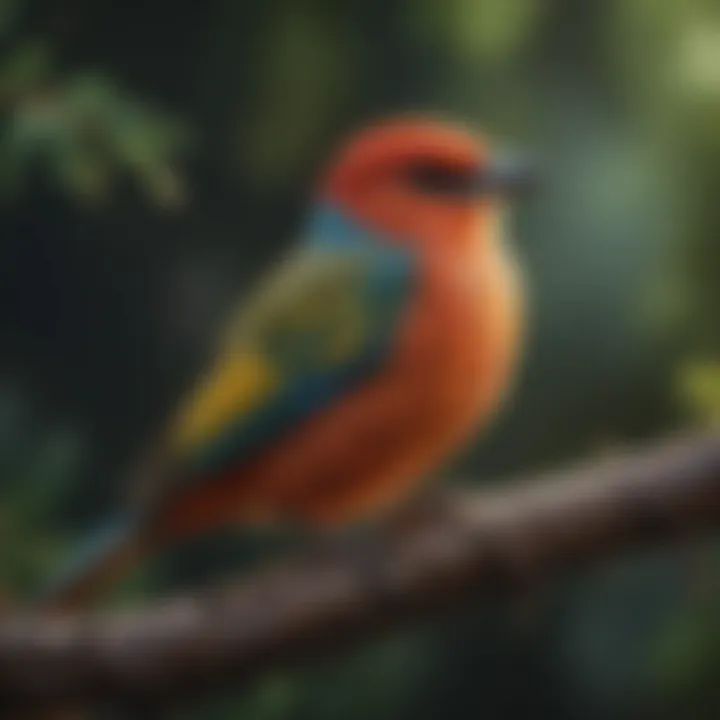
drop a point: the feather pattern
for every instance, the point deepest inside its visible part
(322, 323)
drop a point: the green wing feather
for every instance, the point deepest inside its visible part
(319, 326)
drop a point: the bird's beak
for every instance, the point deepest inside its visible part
(507, 175)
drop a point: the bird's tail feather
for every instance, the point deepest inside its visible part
(102, 559)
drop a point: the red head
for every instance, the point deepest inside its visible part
(418, 180)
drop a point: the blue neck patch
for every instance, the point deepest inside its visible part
(329, 227)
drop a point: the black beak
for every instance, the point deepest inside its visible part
(503, 176)
(506, 175)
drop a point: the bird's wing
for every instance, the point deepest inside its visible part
(321, 324)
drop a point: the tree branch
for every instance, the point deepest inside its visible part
(498, 541)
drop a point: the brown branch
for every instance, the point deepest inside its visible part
(503, 540)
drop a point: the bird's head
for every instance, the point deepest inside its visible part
(420, 181)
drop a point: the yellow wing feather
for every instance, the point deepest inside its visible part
(238, 383)
(310, 298)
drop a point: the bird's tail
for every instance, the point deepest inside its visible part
(100, 561)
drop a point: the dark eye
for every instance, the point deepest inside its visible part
(439, 179)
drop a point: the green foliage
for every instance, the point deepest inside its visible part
(379, 679)
(79, 133)
(36, 471)
(699, 387)
(81, 130)
(685, 664)
(477, 31)
(272, 699)
(24, 70)
(304, 73)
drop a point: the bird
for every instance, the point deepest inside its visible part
(381, 342)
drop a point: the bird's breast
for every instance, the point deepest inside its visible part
(462, 337)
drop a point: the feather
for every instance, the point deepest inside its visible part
(316, 329)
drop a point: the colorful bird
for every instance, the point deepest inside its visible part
(384, 340)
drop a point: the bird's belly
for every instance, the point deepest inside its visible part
(451, 365)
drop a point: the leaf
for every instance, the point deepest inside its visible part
(699, 389)
(85, 131)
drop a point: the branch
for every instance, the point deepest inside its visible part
(497, 541)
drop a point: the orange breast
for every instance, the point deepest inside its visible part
(451, 366)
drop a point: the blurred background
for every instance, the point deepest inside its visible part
(156, 156)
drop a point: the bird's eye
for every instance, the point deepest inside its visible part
(442, 179)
